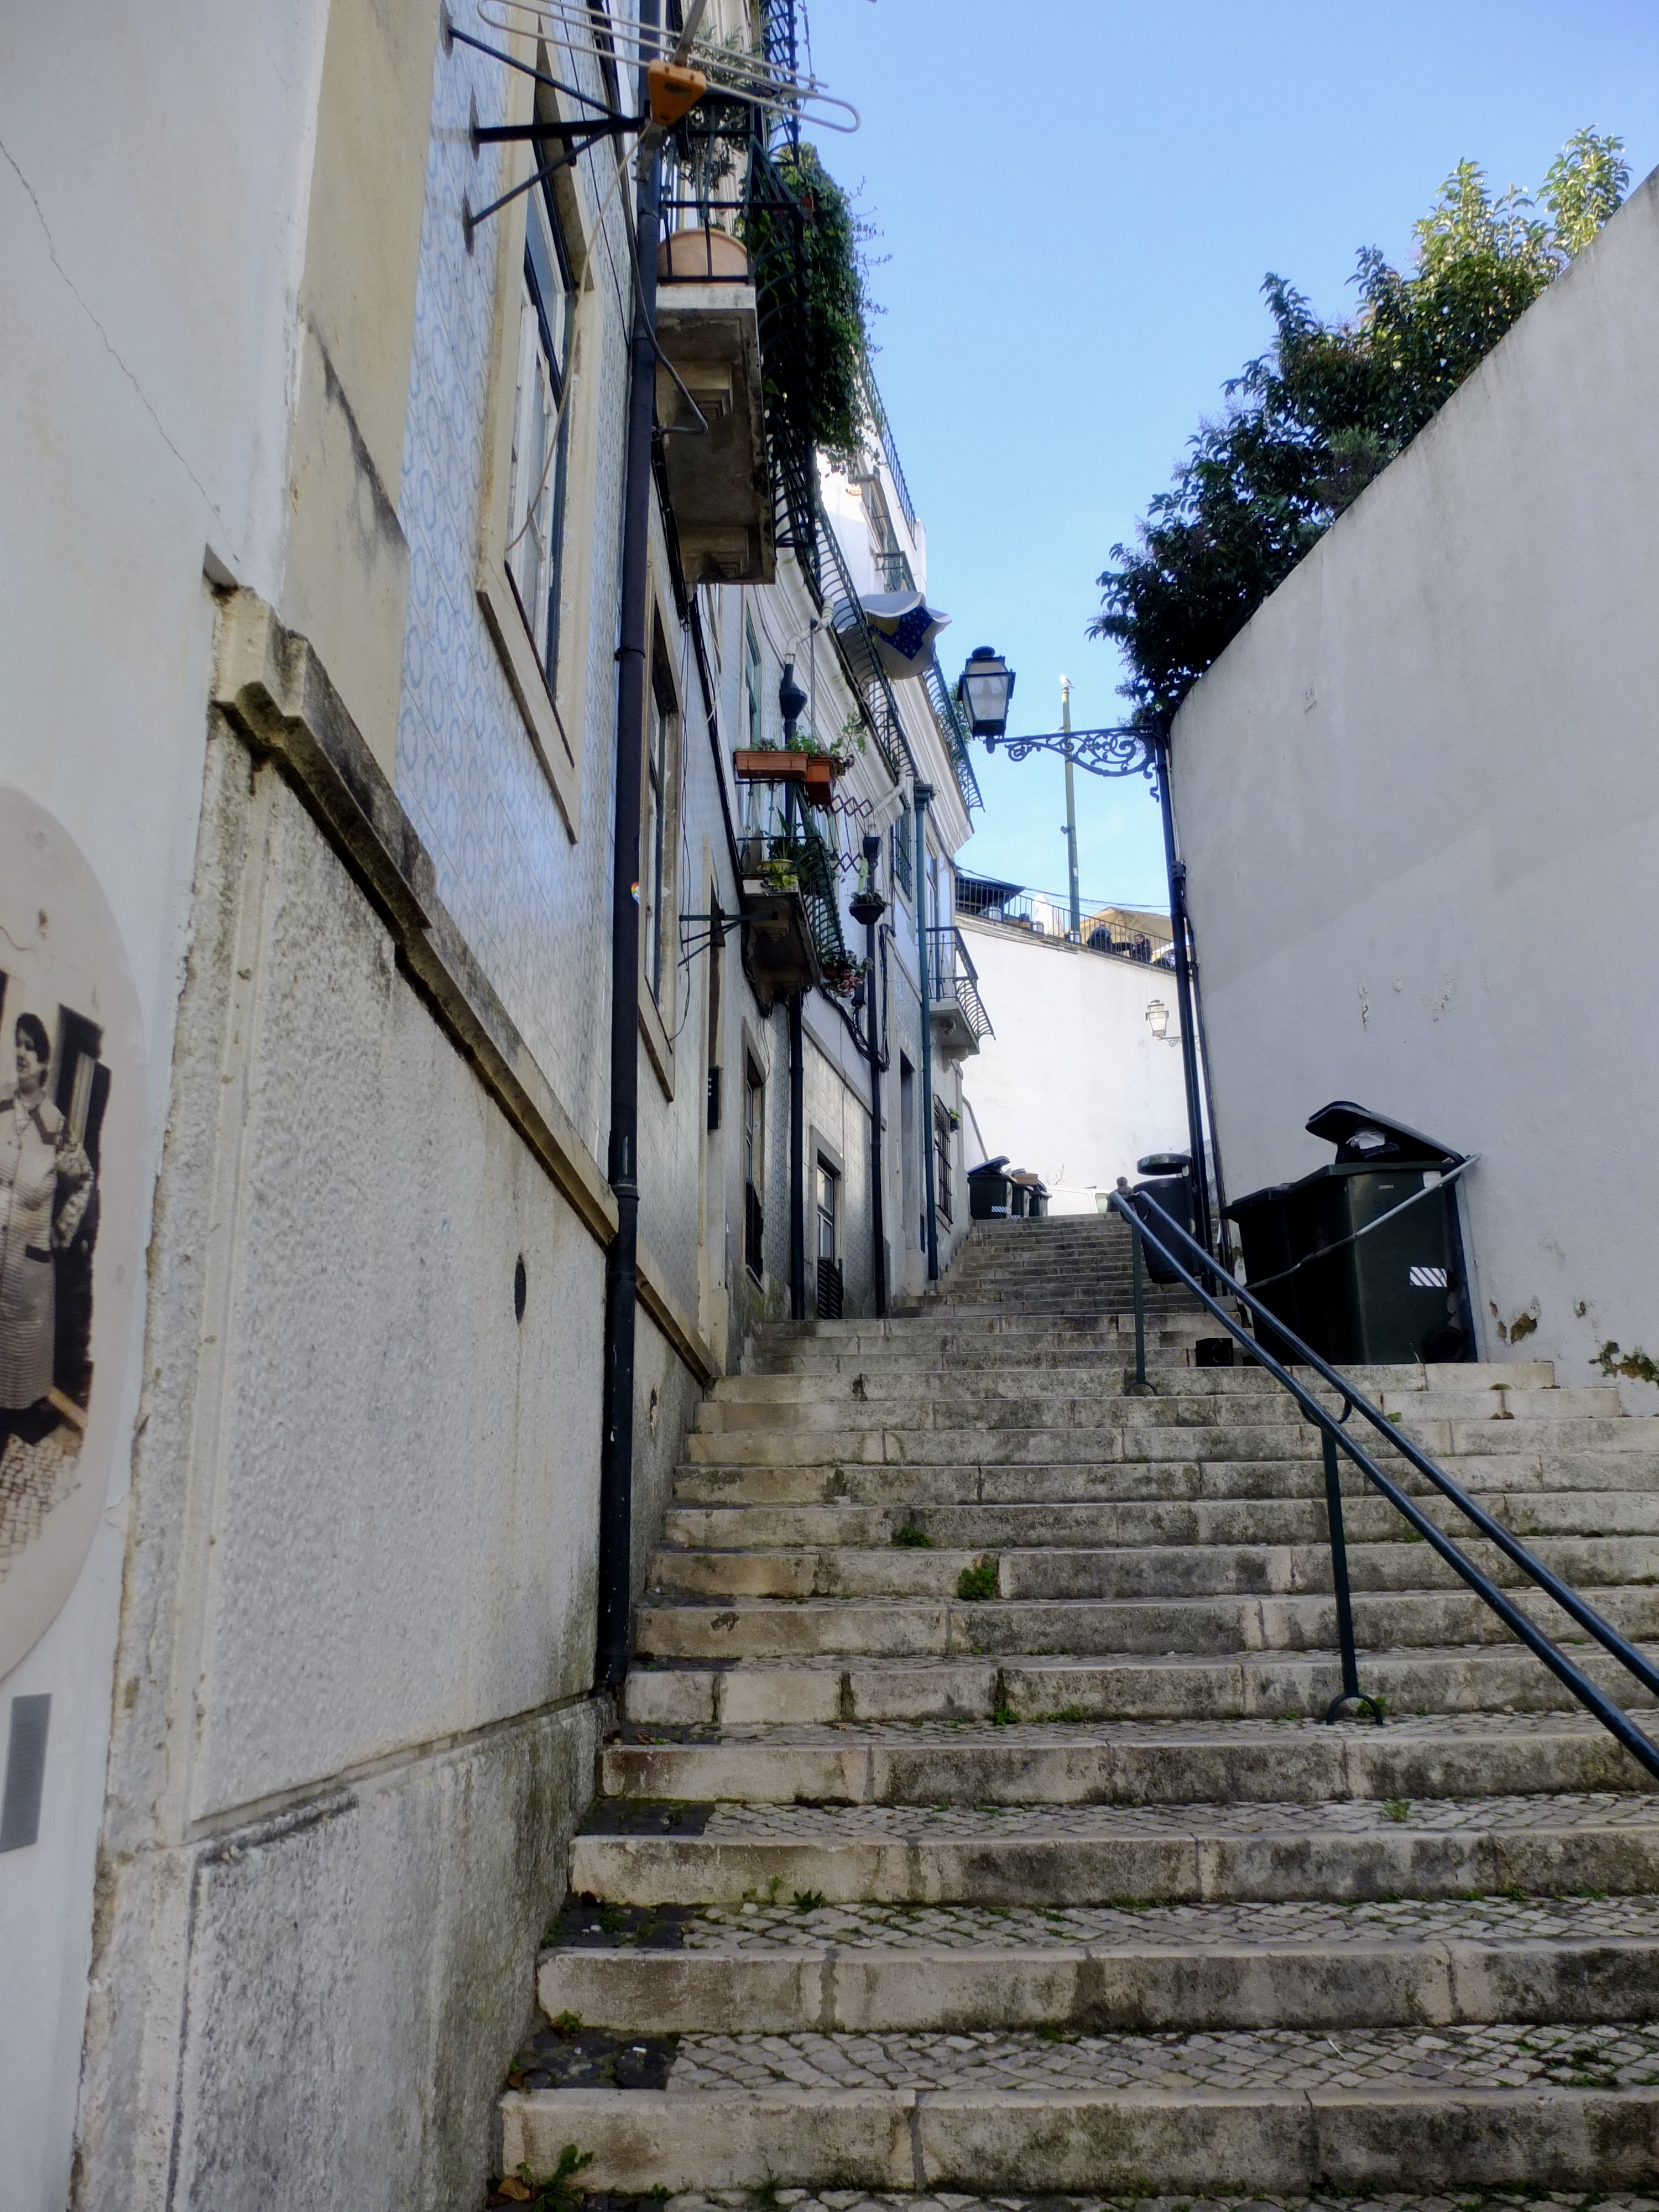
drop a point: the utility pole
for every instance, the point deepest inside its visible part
(1076, 926)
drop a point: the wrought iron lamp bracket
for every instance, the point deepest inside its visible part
(1101, 752)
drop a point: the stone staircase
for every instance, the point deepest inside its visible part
(973, 1826)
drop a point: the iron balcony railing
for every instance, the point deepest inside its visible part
(1193, 1266)
(953, 728)
(952, 978)
(889, 451)
(858, 657)
(777, 829)
(1045, 913)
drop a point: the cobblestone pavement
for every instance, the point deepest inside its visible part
(1622, 2055)
(832, 1824)
(952, 1928)
(853, 2200)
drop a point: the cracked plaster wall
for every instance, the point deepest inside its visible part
(1419, 798)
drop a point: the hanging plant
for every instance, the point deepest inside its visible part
(818, 289)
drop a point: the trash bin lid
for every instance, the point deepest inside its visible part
(989, 1167)
(1361, 1137)
(1164, 1164)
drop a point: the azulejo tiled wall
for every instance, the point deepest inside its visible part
(532, 903)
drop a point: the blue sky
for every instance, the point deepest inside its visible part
(1078, 202)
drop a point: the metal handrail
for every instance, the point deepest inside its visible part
(1596, 1701)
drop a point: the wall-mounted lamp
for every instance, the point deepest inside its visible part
(987, 685)
(1158, 1018)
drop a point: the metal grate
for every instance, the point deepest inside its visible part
(831, 1290)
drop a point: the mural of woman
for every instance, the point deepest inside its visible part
(45, 1186)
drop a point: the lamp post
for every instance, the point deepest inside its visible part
(867, 906)
(986, 687)
(1076, 931)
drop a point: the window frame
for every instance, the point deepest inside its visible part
(553, 709)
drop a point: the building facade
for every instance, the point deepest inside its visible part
(326, 497)
(1081, 1075)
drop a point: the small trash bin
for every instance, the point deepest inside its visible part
(988, 1190)
(1170, 1187)
(1028, 1194)
(1362, 1297)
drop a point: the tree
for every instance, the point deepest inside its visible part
(1309, 424)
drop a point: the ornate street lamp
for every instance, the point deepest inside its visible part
(986, 688)
(1128, 749)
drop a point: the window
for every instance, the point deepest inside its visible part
(828, 1183)
(942, 1160)
(902, 851)
(541, 458)
(753, 687)
(754, 1168)
(657, 829)
(831, 1291)
(536, 484)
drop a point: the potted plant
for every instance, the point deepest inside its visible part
(841, 977)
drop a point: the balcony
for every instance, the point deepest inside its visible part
(959, 1019)
(791, 895)
(719, 482)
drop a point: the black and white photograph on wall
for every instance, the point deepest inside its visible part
(53, 1100)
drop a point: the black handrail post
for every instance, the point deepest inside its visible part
(1351, 1691)
(1176, 875)
(1140, 1310)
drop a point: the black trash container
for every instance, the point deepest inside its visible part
(1390, 1295)
(1262, 1219)
(989, 1191)
(1170, 1187)
(1394, 1293)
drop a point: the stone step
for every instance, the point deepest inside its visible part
(1071, 1397)
(894, 1375)
(858, 1970)
(1366, 1517)
(1211, 1476)
(1271, 2111)
(902, 1627)
(1350, 1852)
(1277, 1685)
(1074, 1433)
(1054, 1762)
(1149, 1571)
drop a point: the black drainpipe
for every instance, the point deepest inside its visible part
(923, 792)
(621, 1261)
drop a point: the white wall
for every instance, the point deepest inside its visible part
(1419, 798)
(1073, 1084)
(144, 263)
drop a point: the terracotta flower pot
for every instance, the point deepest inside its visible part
(764, 766)
(820, 780)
